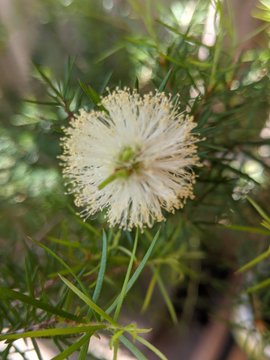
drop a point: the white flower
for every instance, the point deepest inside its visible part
(133, 160)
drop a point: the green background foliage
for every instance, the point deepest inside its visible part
(67, 279)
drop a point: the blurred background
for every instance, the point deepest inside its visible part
(219, 51)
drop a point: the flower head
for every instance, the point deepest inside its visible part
(133, 160)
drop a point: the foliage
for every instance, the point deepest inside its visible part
(69, 280)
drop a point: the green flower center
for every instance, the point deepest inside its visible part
(126, 165)
(127, 154)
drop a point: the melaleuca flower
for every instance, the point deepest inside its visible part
(133, 160)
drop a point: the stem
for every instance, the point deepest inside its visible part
(117, 174)
(124, 288)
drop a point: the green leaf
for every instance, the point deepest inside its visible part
(259, 210)
(53, 332)
(89, 302)
(152, 348)
(137, 272)
(124, 250)
(123, 292)
(189, 39)
(5, 352)
(84, 350)
(216, 57)
(149, 291)
(90, 92)
(259, 286)
(86, 225)
(102, 268)
(239, 173)
(249, 229)
(6, 293)
(68, 72)
(105, 82)
(38, 353)
(47, 103)
(92, 95)
(255, 261)
(213, 146)
(72, 348)
(266, 225)
(109, 53)
(166, 297)
(165, 80)
(62, 262)
(68, 243)
(132, 348)
(47, 80)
